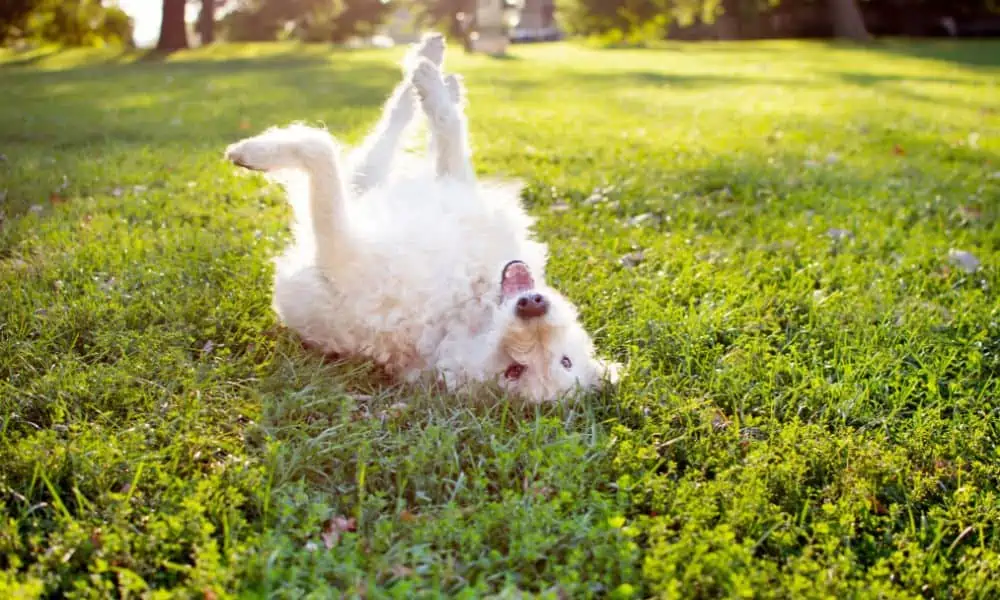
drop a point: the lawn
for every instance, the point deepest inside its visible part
(794, 248)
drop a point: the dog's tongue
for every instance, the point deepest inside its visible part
(516, 279)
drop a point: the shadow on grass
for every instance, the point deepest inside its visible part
(202, 102)
(966, 52)
(974, 53)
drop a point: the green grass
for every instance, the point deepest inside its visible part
(810, 402)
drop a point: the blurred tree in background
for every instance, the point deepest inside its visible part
(446, 15)
(634, 21)
(69, 22)
(306, 20)
(206, 19)
(173, 27)
(90, 22)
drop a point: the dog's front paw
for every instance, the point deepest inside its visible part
(251, 154)
(431, 46)
(274, 149)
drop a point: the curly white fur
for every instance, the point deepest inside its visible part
(408, 268)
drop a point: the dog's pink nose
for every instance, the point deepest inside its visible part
(529, 307)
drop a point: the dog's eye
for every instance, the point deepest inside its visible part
(566, 362)
(514, 371)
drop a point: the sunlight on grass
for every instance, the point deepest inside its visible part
(765, 233)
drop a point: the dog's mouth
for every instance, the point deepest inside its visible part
(515, 279)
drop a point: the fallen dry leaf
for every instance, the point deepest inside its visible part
(838, 234)
(970, 212)
(719, 421)
(401, 571)
(632, 259)
(964, 260)
(334, 528)
(898, 150)
(407, 516)
(640, 219)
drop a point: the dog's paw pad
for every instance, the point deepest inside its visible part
(426, 77)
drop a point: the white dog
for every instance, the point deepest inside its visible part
(425, 272)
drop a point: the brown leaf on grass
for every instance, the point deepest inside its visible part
(838, 234)
(877, 506)
(209, 594)
(632, 259)
(898, 150)
(640, 219)
(971, 212)
(393, 411)
(56, 198)
(964, 260)
(719, 421)
(400, 571)
(245, 124)
(407, 517)
(335, 527)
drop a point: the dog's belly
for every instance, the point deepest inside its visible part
(401, 328)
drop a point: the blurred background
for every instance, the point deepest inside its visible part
(169, 25)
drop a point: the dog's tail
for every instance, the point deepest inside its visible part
(311, 151)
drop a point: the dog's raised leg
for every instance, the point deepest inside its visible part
(442, 104)
(372, 162)
(314, 152)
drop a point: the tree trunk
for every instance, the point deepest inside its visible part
(206, 22)
(173, 30)
(847, 20)
(728, 23)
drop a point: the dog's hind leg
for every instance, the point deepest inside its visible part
(304, 303)
(314, 152)
(442, 104)
(372, 162)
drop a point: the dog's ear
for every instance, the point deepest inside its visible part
(608, 372)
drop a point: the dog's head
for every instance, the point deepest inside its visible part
(543, 352)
